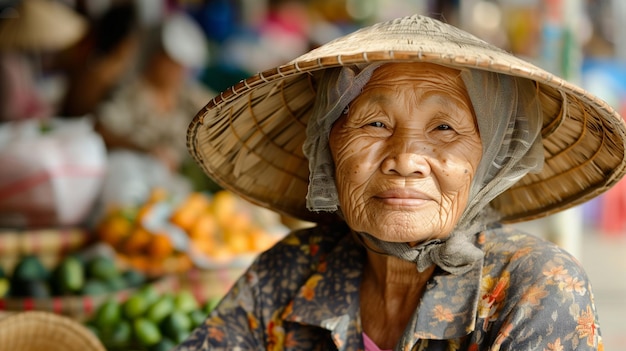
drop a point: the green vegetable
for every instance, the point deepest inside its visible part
(108, 314)
(175, 325)
(135, 306)
(160, 309)
(146, 332)
(102, 268)
(30, 268)
(185, 301)
(70, 274)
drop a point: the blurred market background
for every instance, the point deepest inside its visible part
(104, 217)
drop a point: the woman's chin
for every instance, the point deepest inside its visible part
(395, 233)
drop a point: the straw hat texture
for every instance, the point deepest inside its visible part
(249, 138)
(40, 25)
(39, 330)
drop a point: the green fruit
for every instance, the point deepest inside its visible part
(175, 324)
(166, 344)
(108, 314)
(146, 332)
(5, 286)
(70, 274)
(160, 309)
(133, 278)
(121, 334)
(116, 283)
(185, 301)
(210, 305)
(197, 318)
(95, 287)
(149, 293)
(30, 268)
(181, 336)
(135, 306)
(103, 268)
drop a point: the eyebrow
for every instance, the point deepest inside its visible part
(448, 100)
(379, 98)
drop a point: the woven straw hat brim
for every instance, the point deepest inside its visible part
(41, 25)
(38, 330)
(249, 138)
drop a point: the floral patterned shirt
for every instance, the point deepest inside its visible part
(303, 294)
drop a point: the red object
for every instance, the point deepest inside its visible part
(613, 212)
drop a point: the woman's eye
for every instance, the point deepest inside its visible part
(377, 124)
(444, 127)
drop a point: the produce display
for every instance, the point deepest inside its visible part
(134, 287)
(165, 235)
(71, 276)
(149, 320)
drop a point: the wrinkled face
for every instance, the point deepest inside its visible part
(406, 152)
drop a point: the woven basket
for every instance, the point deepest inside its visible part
(37, 331)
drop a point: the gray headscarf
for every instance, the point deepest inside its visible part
(509, 120)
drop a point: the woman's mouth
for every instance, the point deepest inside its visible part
(403, 197)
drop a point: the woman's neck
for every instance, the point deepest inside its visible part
(390, 292)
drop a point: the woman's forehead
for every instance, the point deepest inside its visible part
(417, 70)
(422, 78)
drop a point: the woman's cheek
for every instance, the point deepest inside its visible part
(455, 185)
(351, 178)
(355, 160)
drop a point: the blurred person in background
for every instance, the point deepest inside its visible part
(151, 112)
(31, 33)
(101, 61)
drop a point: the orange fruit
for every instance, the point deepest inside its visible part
(178, 262)
(160, 246)
(114, 229)
(223, 205)
(222, 254)
(237, 241)
(238, 222)
(186, 214)
(260, 240)
(204, 246)
(137, 241)
(157, 194)
(204, 227)
(139, 262)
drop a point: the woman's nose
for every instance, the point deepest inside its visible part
(406, 164)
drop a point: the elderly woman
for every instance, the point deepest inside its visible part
(408, 143)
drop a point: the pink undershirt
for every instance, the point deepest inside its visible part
(370, 345)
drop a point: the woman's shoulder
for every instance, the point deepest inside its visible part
(513, 249)
(534, 292)
(507, 238)
(303, 247)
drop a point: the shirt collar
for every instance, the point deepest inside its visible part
(329, 299)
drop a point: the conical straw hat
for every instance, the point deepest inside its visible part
(40, 25)
(39, 330)
(249, 138)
